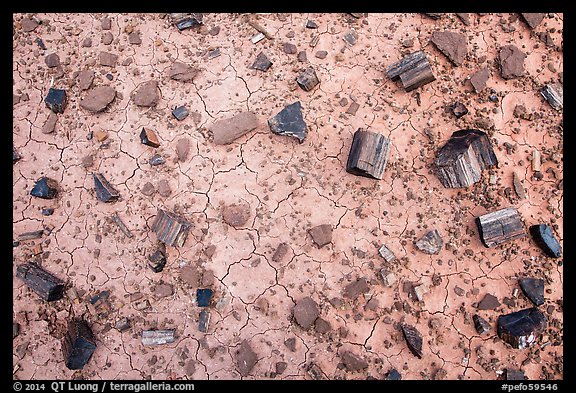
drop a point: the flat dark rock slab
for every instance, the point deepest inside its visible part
(393, 375)
(182, 72)
(305, 312)
(501, 226)
(368, 154)
(52, 60)
(353, 362)
(321, 234)
(452, 44)
(147, 94)
(413, 339)
(479, 79)
(104, 190)
(308, 79)
(262, 63)
(85, 79)
(203, 297)
(533, 18)
(56, 100)
(149, 138)
(227, 130)
(98, 99)
(413, 70)
(45, 188)
(290, 122)
(511, 62)
(108, 59)
(431, 243)
(544, 238)
(44, 283)
(533, 288)
(182, 149)
(78, 344)
(464, 17)
(356, 288)
(489, 302)
(521, 328)
(514, 375)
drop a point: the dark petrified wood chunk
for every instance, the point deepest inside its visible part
(386, 253)
(308, 79)
(78, 344)
(15, 155)
(480, 324)
(289, 121)
(521, 328)
(180, 112)
(533, 288)
(500, 226)
(262, 63)
(368, 154)
(186, 20)
(459, 163)
(122, 324)
(170, 228)
(204, 320)
(514, 375)
(158, 337)
(431, 243)
(56, 100)
(321, 234)
(305, 312)
(413, 339)
(459, 109)
(315, 371)
(157, 260)
(393, 375)
(149, 137)
(413, 70)
(45, 188)
(45, 284)
(104, 190)
(544, 237)
(554, 94)
(533, 18)
(203, 297)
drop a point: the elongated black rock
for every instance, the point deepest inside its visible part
(308, 79)
(15, 155)
(78, 344)
(204, 320)
(413, 339)
(56, 100)
(544, 238)
(500, 226)
(170, 228)
(45, 284)
(521, 328)
(289, 121)
(203, 297)
(261, 63)
(104, 190)
(480, 324)
(368, 154)
(459, 163)
(533, 288)
(554, 94)
(413, 70)
(45, 188)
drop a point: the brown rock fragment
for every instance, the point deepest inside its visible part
(356, 288)
(106, 23)
(28, 25)
(50, 123)
(518, 188)
(511, 62)
(305, 312)
(148, 189)
(321, 234)
(85, 79)
(108, 59)
(291, 343)
(226, 131)
(164, 188)
(98, 99)
(147, 95)
(236, 215)
(452, 44)
(182, 149)
(246, 358)
(533, 18)
(479, 79)
(488, 302)
(182, 72)
(413, 339)
(280, 252)
(52, 60)
(464, 17)
(353, 362)
(322, 326)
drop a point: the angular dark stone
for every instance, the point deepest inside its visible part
(30, 235)
(452, 44)
(305, 312)
(134, 38)
(479, 79)
(157, 260)
(464, 17)
(459, 109)
(321, 234)
(50, 123)
(28, 25)
(554, 95)
(521, 328)
(289, 122)
(15, 155)
(45, 188)
(500, 226)
(109, 60)
(204, 320)
(104, 190)
(413, 70)
(170, 228)
(311, 24)
(307, 79)
(182, 72)
(156, 159)
(353, 362)
(322, 326)
(15, 330)
(533, 288)
(353, 108)
(122, 324)
(280, 252)
(289, 48)
(321, 54)
(185, 21)
(52, 60)
(511, 62)
(431, 243)
(315, 371)
(291, 343)
(98, 99)
(203, 297)
(356, 288)
(413, 339)
(393, 375)
(368, 154)
(302, 56)
(246, 358)
(47, 211)
(149, 138)
(226, 131)
(480, 324)
(45, 284)
(351, 38)
(106, 23)
(78, 344)
(147, 94)
(281, 367)
(489, 302)
(180, 113)
(118, 221)
(544, 238)
(518, 188)
(261, 63)
(533, 19)
(56, 100)
(514, 375)
(459, 163)
(158, 337)
(433, 15)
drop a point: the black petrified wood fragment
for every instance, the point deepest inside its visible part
(521, 328)
(157, 260)
(413, 70)
(480, 324)
(533, 288)
(289, 121)
(78, 344)
(45, 188)
(148, 137)
(500, 226)
(308, 79)
(459, 163)
(45, 284)
(185, 21)
(104, 190)
(56, 100)
(544, 238)
(262, 63)
(554, 94)
(413, 339)
(368, 154)
(170, 228)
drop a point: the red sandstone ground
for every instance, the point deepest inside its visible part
(288, 188)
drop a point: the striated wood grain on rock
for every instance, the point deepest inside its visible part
(500, 226)
(368, 154)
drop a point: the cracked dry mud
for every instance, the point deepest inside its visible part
(260, 269)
